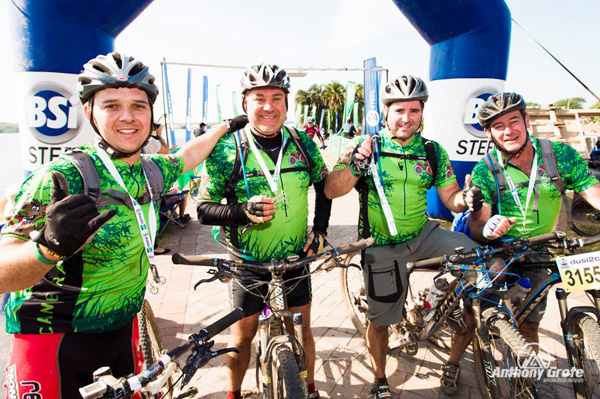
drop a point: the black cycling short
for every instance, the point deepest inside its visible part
(242, 293)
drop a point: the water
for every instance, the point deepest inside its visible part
(10, 162)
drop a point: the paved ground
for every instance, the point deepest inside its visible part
(342, 369)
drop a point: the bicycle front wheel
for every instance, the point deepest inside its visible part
(287, 383)
(152, 345)
(354, 293)
(584, 218)
(586, 356)
(509, 351)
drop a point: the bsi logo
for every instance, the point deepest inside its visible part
(52, 113)
(472, 106)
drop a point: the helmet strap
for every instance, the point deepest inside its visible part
(510, 155)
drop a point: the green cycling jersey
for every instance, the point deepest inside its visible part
(101, 287)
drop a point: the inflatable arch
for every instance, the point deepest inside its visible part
(469, 42)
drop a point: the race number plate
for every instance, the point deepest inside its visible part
(580, 272)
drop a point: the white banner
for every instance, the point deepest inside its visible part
(51, 118)
(451, 116)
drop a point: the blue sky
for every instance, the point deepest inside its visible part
(334, 33)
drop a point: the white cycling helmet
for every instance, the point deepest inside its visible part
(404, 88)
(265, 75)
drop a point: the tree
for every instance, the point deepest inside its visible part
(594, 119)
(571, 103)
(532, 104)
(334, 97)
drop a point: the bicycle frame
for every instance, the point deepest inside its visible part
(269, 340)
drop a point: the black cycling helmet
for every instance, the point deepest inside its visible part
(404, 88)
(115, 70)
(265, 75)
(500, 104)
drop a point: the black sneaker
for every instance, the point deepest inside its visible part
(449, 378)
(380, 391)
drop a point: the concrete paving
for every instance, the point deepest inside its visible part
(342, 367)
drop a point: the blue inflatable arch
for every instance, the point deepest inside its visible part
(469, 42)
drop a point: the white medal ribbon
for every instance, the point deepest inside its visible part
(385, 205)
(274, 178)
(513, 189)
(147, 234)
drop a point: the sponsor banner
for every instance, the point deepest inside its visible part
(321, 120)
(298, 115)
(372, 81)
(51, 117)
(355, 115)
(204, 98)
(188, 114)
(313, 112)
(234, 98)
(350, 93)
(218, 93)
(169, 106)
(451, 116)
(305, 112)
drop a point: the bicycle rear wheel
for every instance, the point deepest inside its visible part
(152, 345)
(508, 350)
(354, 293)
(586, 356)
(287, 383)
(584, 218)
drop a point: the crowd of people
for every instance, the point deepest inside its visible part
(76, 257)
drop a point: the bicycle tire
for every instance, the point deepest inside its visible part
(152, 345)
(586, 355)
(354, 294)
(583, 218)
(481, 358)
(287, 383)
(508, 343)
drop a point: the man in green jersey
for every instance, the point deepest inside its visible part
(75, 257)
(395, 213)
(266, 213)
(519, 159)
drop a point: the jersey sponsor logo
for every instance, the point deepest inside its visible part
(34, 390)
(296, 157)
(421, 167)
(474, 103)
(53, 113)
(449, 171)
(541, 170)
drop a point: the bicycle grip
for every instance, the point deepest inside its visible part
(193, 260)
(222, 323)
(590, 240)
(356, 246)
(544, 238)
(429, 263)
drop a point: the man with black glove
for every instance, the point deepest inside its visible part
(392, 180)
(75, 254)
(266, 214)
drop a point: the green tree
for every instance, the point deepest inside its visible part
(532, 104)
(594, 119)
(360, 99)
(571, 103)
(334, 97)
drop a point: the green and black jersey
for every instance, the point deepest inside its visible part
(541, 217)
(405, 182)
(101, 287)
(285, 234)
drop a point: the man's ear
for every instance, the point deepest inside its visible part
(87, 109)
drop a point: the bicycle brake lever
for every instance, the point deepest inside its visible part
(207, 280)
(224, 351)
(197, 359)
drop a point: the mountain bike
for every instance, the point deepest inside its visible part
(281, 359)
(157, 376)
(497, 342)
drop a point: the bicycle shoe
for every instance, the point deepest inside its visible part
(380, 391)
(314, 395)
(449, 378)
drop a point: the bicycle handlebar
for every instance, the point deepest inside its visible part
(283, 265)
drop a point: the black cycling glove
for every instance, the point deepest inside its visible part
(359, 167)
(316, 242)
(71, 220)
(237, 123)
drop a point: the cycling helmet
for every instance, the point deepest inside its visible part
(265, 75)
(500, 104)
(115, 70)
(404, 88)
(310, 119)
